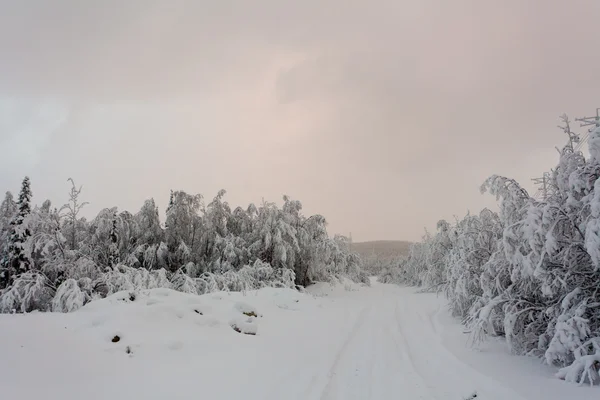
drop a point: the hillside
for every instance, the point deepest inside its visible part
(382, 248)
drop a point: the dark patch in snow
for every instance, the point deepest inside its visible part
(116, 339)
(198, 312)
(245, 332)
(128, 350)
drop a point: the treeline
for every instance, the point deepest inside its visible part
(52, 259)
(529, 273)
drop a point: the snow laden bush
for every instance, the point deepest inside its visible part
(529, 273)
(70, 296)
(132, 279)
(390, 271)
(261, 275)
(249, 277)
(183, 283)
(28, 292)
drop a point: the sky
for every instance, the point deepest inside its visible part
(384, 116)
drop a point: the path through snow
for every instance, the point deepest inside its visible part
(383, 342)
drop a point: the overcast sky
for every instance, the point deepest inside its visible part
(384, 116)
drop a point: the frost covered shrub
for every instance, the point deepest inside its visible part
(354, 270)
(283, 278)
(232, 282)
(261, 275)
(132, 279)
(83, 268)
(183, 283)
(28, 292)
(412, 269)
(69, 297)
(583, 369)
(257, 275)
(576, 340)
(474, 240)
(391, 273)
(207, 283)
(249, 277)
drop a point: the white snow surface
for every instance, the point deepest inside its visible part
(334, 342)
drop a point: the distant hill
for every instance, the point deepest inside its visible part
(382, 248)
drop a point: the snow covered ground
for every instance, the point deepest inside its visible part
(382, 342)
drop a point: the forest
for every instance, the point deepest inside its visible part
(528, 273)
(54, 259)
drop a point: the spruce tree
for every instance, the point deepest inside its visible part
(17, 260)
(171, 202)
(114, 241)
(8, 211)
(169, 207)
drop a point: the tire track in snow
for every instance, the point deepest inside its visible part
(311, 380)
(325, 393)
(372, 363)
(432, 361)
(315, 382)
(417, 384)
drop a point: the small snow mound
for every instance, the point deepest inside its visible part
(320, 289)
(247, 326)
(288, 300)
(246, 309)
(127, 297)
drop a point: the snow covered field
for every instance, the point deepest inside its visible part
(352, 342)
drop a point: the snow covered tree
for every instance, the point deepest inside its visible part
(151, 252)
(475, 240)
(148, 224)
(71, 210)
(274, 240)
(183, 228)
(312, 242)
(48, 245)
(8, 211)
(18, 259)
(217, 250)
(104, 245)
(113, 257)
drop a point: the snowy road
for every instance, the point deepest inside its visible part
(393, 351)
(383, 342)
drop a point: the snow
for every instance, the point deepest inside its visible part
(333, 342)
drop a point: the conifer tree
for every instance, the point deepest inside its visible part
(17, 260)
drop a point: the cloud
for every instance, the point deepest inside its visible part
(398, 108)
(26, 129)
